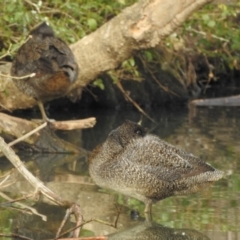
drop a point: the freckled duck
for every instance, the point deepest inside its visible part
(51, 60)
(143, 166)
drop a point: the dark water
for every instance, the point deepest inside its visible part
(212, 134)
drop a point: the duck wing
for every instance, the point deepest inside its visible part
(32, 57)
(159, 159)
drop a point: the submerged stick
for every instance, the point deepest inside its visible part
(15, 235)
(37, 184)
(27, 134)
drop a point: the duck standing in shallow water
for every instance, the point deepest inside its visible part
(147, 168)
(51, 60)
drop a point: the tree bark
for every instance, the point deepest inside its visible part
(140, 26)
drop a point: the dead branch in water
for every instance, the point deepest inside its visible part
(41, 138)
(38, 185)
(74, 124)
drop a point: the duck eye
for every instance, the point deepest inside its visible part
(139, 132)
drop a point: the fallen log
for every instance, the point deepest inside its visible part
(222, 101)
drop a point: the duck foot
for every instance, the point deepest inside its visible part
(44, 115)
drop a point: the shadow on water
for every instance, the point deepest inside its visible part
(212, 134)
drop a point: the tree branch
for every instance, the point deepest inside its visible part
(140, 26)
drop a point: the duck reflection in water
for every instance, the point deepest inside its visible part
(151, 230)
(145, 167)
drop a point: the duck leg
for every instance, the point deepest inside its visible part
(148, 212)
(42, 110)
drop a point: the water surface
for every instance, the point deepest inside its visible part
(210, 133)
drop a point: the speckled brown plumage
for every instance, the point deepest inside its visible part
(145, 167)
(50, 59)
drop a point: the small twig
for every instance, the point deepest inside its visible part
(6, 176)
(15, 235)
(27, 134)
(17, 199)
(205, 34)
(119, 209)
(8, 184)
(22, 205)
(86, 238)
(7, 53)
(82, 224)
(114, 225)
(34, 5)
(68, 213)
(74, 209)
(166, 89)
(119, 85)
(8, 173)
(18, 78)
(210, 74)
(57, 11)
(5, 179)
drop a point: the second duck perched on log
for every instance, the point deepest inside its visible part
(51, 62)
(147, 168)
